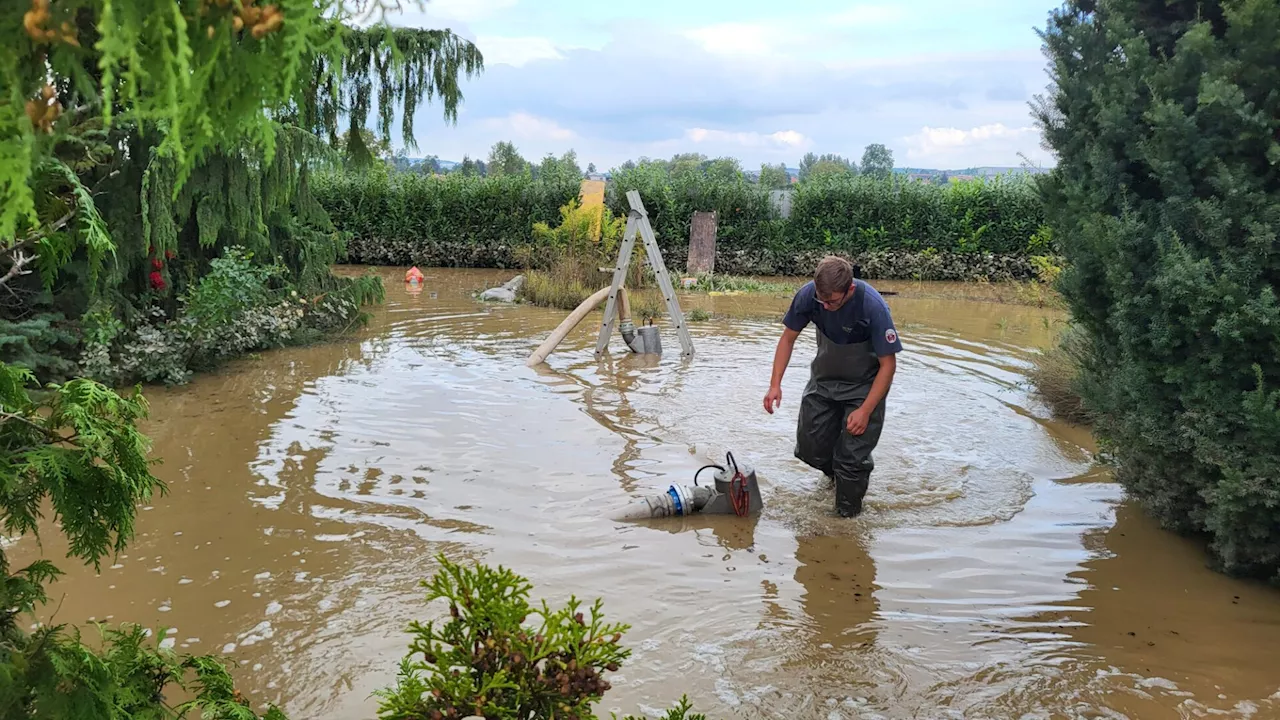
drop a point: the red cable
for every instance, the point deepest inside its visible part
(739, 494)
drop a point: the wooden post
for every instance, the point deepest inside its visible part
(702, 243)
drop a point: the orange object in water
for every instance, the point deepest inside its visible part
(414, 275)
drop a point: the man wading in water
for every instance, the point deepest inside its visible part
(842, 410)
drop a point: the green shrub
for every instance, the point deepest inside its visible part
(744, 216)
(239, 306)
(1166, 205)
(554, 667)
(883, 264)
(965, 230)
(448, 221)
(563, 265)
(498, 656)
(860, 214)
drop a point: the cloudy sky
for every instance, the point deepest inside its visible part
(942, 83)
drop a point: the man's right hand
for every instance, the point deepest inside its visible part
(772, 399)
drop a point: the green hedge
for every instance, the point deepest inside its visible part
(896, 229)
(849, 215)
(450, 221)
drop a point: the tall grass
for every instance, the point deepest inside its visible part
(1055, 376)
(568, 263)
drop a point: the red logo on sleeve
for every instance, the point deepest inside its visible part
(891, 336)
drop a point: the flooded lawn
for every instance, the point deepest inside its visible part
(996, 574)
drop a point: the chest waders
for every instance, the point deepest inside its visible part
(840, 379)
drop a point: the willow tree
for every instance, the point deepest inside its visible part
(138, 140)
(401, 67)
(132, 132)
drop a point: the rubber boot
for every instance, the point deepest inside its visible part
(849, 494)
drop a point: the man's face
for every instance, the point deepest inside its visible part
(835, 301)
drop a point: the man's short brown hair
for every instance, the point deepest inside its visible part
(834, 275)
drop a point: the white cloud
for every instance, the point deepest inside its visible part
(524, 126)
(782, 138)
(785, 36)
(456, 15)
(516, 51)
(467, 11)
(993, 144)
(671, 95)
(862, 16)
(736, 38)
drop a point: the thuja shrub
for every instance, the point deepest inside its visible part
(496, 655)
(890, 264)
(905, 229)
(998, 215)
(849, 214)
(1166, 203)
(448, 221)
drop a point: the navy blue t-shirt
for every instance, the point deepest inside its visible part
(864, 316)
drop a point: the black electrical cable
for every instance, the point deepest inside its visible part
(705, 467)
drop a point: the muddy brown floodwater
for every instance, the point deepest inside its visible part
(996, 574)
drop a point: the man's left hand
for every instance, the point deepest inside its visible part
(858, 420)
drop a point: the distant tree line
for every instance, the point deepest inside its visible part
(505, 160)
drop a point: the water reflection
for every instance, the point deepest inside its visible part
(730, 533)
(838, 576)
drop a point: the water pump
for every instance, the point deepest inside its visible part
(734, 491)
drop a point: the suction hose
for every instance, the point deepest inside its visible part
(566, 325)
(625, 326)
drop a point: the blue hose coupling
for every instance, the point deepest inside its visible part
(680, 500)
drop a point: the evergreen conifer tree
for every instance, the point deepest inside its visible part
(1165, 117)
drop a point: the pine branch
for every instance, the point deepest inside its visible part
(20, 259)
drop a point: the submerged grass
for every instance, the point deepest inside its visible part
(566, 284)
(710, 282)
(1055, 377)
(545, 290)
(1030, 293)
